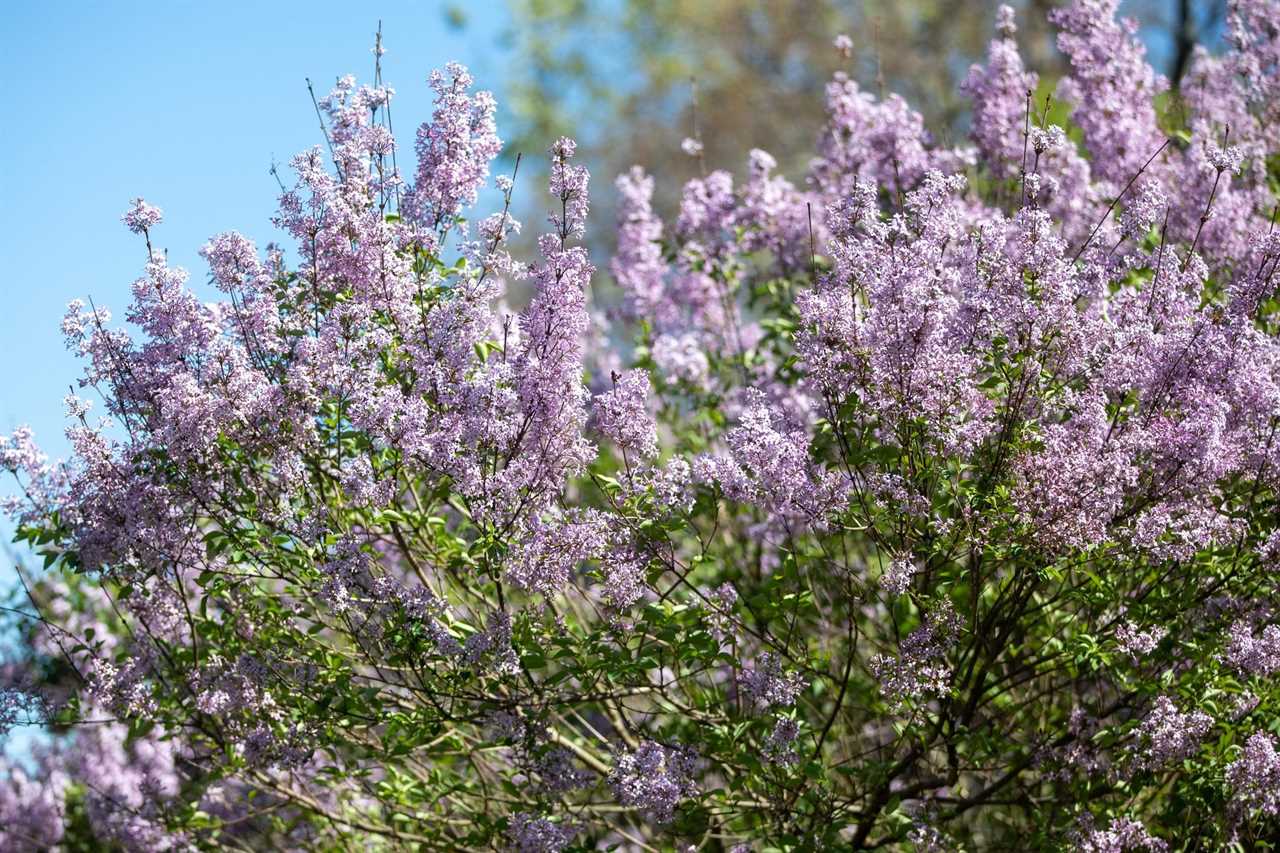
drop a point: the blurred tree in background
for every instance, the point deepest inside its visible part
(760, 70)
(751, 73)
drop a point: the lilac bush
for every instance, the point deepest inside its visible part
(928, 503)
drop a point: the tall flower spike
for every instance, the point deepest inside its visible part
(622, 415)
(552, 332)
(454, 149)
(1111, 85)
(1254, 778)
(655, 779)
(142, 217)
(569, 185)
(999, 92)
(638, 266)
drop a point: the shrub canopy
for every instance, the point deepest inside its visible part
(932, 505)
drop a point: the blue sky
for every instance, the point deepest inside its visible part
(185, 104)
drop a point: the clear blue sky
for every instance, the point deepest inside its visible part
(184, 104)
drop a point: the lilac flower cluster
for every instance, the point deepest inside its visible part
(1122, 835)
(454, 150)
(1254, 778)
(128, 787)
(1250, 655)
(142, 217)
(1138, 643)
(897, 576)
(655, 779)
(532, 834)
(767, 685)
(1111, 86)
(637, 265)
(622, 415)
(31, 809)
(921, 668)
(1168, 735)
(779, 746)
